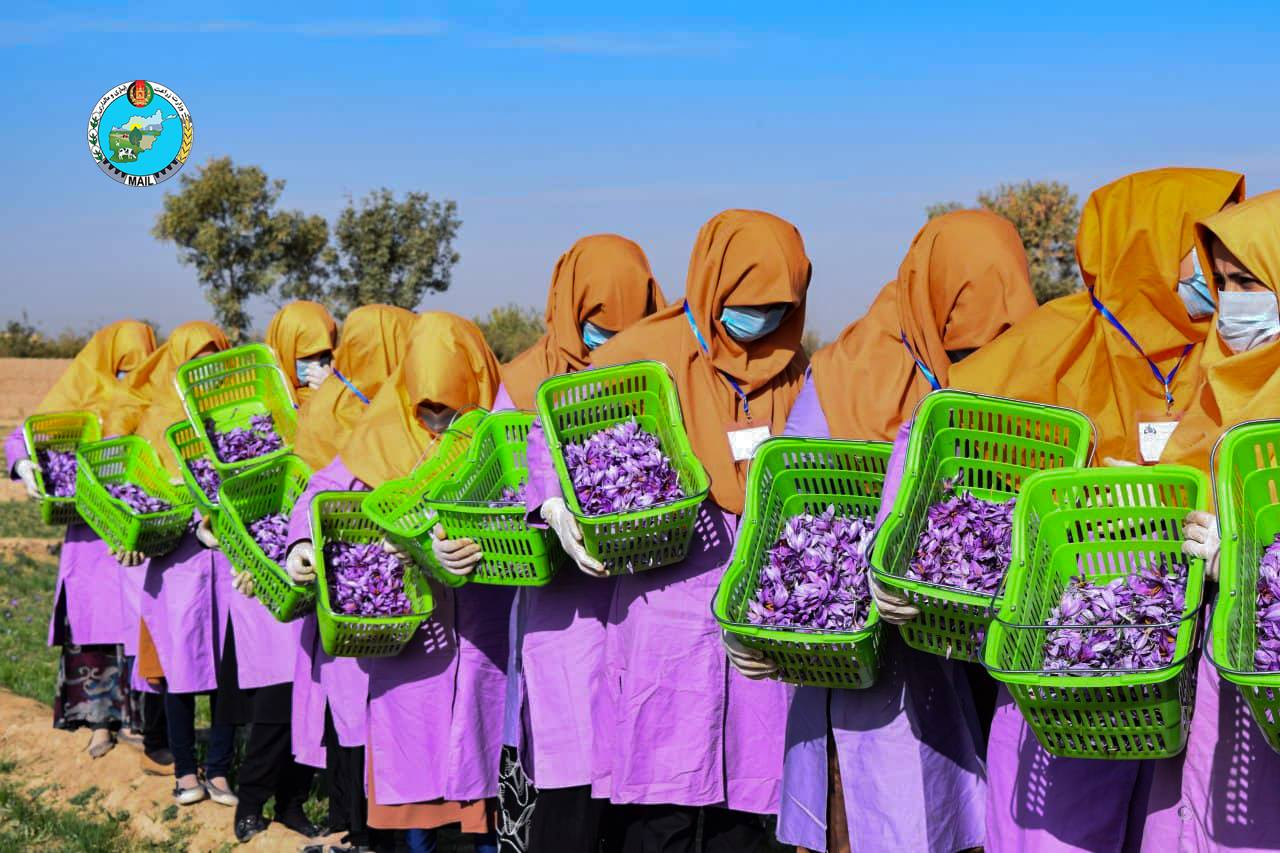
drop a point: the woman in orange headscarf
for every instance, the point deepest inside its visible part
(302, 334)
(1218, 794)
(963, 282)
(675, 729)
(96, 629)
(433, 713)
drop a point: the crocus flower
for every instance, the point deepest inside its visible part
(621, 468)
(58, 468)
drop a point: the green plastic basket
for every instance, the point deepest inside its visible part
(992, 444)
(515, 553)
(187, 446)
(225, 390)
(400, 506)
(573, 407)
(789, 476)
(272, 487)
(1099, 523)
(130, 459)
(64, 431)
(337, 516)
(1247, 482)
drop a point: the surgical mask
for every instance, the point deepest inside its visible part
(1247, 320)
(1195, 292)
(593, 336)
(300, 367)
(751, 324)
(121, 374)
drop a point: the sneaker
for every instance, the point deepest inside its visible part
(249, 826)
(221, 796)
(189, 796)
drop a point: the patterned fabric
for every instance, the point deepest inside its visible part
(93, 689)
(516, 799)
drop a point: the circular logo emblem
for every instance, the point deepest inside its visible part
(140, 133)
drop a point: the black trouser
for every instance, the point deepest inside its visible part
(180, 709)
(269, 770)
(348, 806)
(155, 727)
(674, 829)
(566, 820)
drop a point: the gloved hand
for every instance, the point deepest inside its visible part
(300, 563)
(26, 471)
(242, 582)
(893, 606)
(1202, 540)
(750, 662)
(316, 374)
(557, 515)
(395, 549)
(128, 559)
(205, 534)
(1113, 462)
(457, 556)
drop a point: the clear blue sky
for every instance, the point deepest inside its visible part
(546, 121)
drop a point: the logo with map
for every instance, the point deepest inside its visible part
(140, 133)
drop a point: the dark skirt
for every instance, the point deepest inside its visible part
(93, 690)
(516, 796)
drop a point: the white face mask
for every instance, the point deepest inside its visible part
(1247, 320)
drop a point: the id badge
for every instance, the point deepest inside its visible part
(745, 439)
(1152, 438)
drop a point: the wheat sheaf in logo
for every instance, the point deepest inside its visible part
(140, 133)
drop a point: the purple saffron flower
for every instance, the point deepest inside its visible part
(966, 543)
(242, 443)
(58, 468)
(137, 499)
(271, 532)
(1267, 620)
(621, 468)
(365, 580)
(206, 477)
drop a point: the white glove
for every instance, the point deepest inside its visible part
(395, 549)
(457, 556)
(1202, 540)
(26, 471)
(301, 563)
(557, 515)
(205, 534)
(750, 662)
(1112, 462)
(316, 374)
(242, 582)
(893, 606)
(128, 559)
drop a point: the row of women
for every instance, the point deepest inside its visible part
(610, 712)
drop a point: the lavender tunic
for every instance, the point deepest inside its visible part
(266, 649)
(319, 680)
(908, 747)
(178, 606)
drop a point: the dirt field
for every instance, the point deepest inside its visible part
(23, 384)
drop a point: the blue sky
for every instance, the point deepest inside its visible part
(547, 121)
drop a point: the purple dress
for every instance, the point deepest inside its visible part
(178, 605)
(266, 649)
(321, 681)
(909, 747)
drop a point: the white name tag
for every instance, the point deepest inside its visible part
(744, 442)
(1152, 437)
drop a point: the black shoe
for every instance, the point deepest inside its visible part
(249, 826)
(298, 822)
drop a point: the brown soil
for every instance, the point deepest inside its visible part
(23, 384)
(47, 756)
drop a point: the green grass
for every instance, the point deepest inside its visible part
(22, 518)
(28, 666)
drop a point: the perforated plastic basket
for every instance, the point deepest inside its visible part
(130, 459)
(337, 516)
(1101, 524)
(266, 489)
(400, 506)
(1247, 483)
(467, 504)
(575, 406)
(227, 389)
(62, 431)
(187, 446)
(989, 445)
(789, 476)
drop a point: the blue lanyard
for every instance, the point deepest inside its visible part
(702, 342)
(354, 390)
(924, 368)
(1165, 381)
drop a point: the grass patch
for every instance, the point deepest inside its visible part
(22, 519)
(28, 666)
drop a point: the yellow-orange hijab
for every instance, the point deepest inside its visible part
(372, 343)
(154, 381)
(298, 330)
(89, 383)
(743, 258)
(603, 278)
(963, 282)
(447, 362)
(1237, 387)
(1133, 236)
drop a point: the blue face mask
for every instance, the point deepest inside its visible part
(593, 336)
(300, 367)
(121, 374)
(1247, 320)
(1195, 292)
(751, 324)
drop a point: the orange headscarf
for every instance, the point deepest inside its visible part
(1237, 387)
(1133, 236)
(90, 384)
(742, 258)
(603, 278)
(298, 330)
(155, 382)
(448, 363)
(963, 282)
(373, 341)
